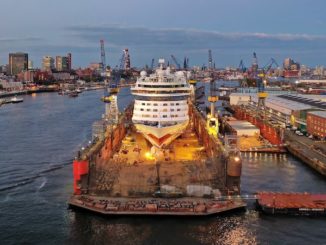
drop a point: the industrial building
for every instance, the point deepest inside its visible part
(316, 123)
(243, 128)
(282, 110)
(18, 62)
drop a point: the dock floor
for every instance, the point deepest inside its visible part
(132, 172)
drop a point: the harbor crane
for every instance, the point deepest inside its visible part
(103, 61)
(176, 62)
(242, 67)
(269, 65)
(262, 95)
(125, 60)
(152, 64)
(210, 60)
(186, 63)
(254, 66)
(212, 120)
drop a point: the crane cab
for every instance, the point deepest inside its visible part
(212, 126)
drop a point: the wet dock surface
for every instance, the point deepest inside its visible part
(133, 172)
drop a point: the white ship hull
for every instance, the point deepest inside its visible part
(160, 137)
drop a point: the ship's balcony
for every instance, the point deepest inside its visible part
(161, 93)
(168, 118)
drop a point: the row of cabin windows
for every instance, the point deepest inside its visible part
(161, 86)
(155, 110)
(165, 104)
(156, 80)
(161, 91)
(156, 116)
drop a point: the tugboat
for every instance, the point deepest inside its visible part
(16, 99)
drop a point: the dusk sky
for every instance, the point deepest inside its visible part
(233, 29)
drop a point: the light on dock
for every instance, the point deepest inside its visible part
(149, 156)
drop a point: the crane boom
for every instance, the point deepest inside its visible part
(176, 61)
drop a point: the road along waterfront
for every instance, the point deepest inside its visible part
(38, 141)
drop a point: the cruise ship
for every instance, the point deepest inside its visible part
(161, 105)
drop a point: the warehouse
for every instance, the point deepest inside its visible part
(316, 123)
(243, 128)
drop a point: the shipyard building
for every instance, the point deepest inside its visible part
(286, 109)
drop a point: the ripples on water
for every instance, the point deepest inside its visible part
(38, 141)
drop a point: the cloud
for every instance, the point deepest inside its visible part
(145, 43)
(17, 40)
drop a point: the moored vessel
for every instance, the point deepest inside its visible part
(161, 106)
(148, 161)
(16, 99)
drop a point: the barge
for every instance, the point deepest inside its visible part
(158, 157)
(292, 203)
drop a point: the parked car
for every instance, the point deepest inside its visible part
(298, 133)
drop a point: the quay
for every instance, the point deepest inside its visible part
(314, 155)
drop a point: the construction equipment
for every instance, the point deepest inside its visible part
(269, 65)
(262, 95)
(254, 66)
(212, 121)
(242, 67)
(125, 60)
(112, 86)
(186, 63)
(210, 60)
(176, 62)
(103, 62)
(152, 64)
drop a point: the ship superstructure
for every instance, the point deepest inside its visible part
(161, 111)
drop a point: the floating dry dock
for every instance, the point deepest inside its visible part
(292, 203)
(155, 206)
(184, 180)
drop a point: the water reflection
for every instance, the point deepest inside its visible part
(237, 228)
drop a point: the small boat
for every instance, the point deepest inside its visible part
(16, 99)
(73, 94)
(78, 90)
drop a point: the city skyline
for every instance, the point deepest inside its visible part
(233, 30)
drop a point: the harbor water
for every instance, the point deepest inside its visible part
(40, 137)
